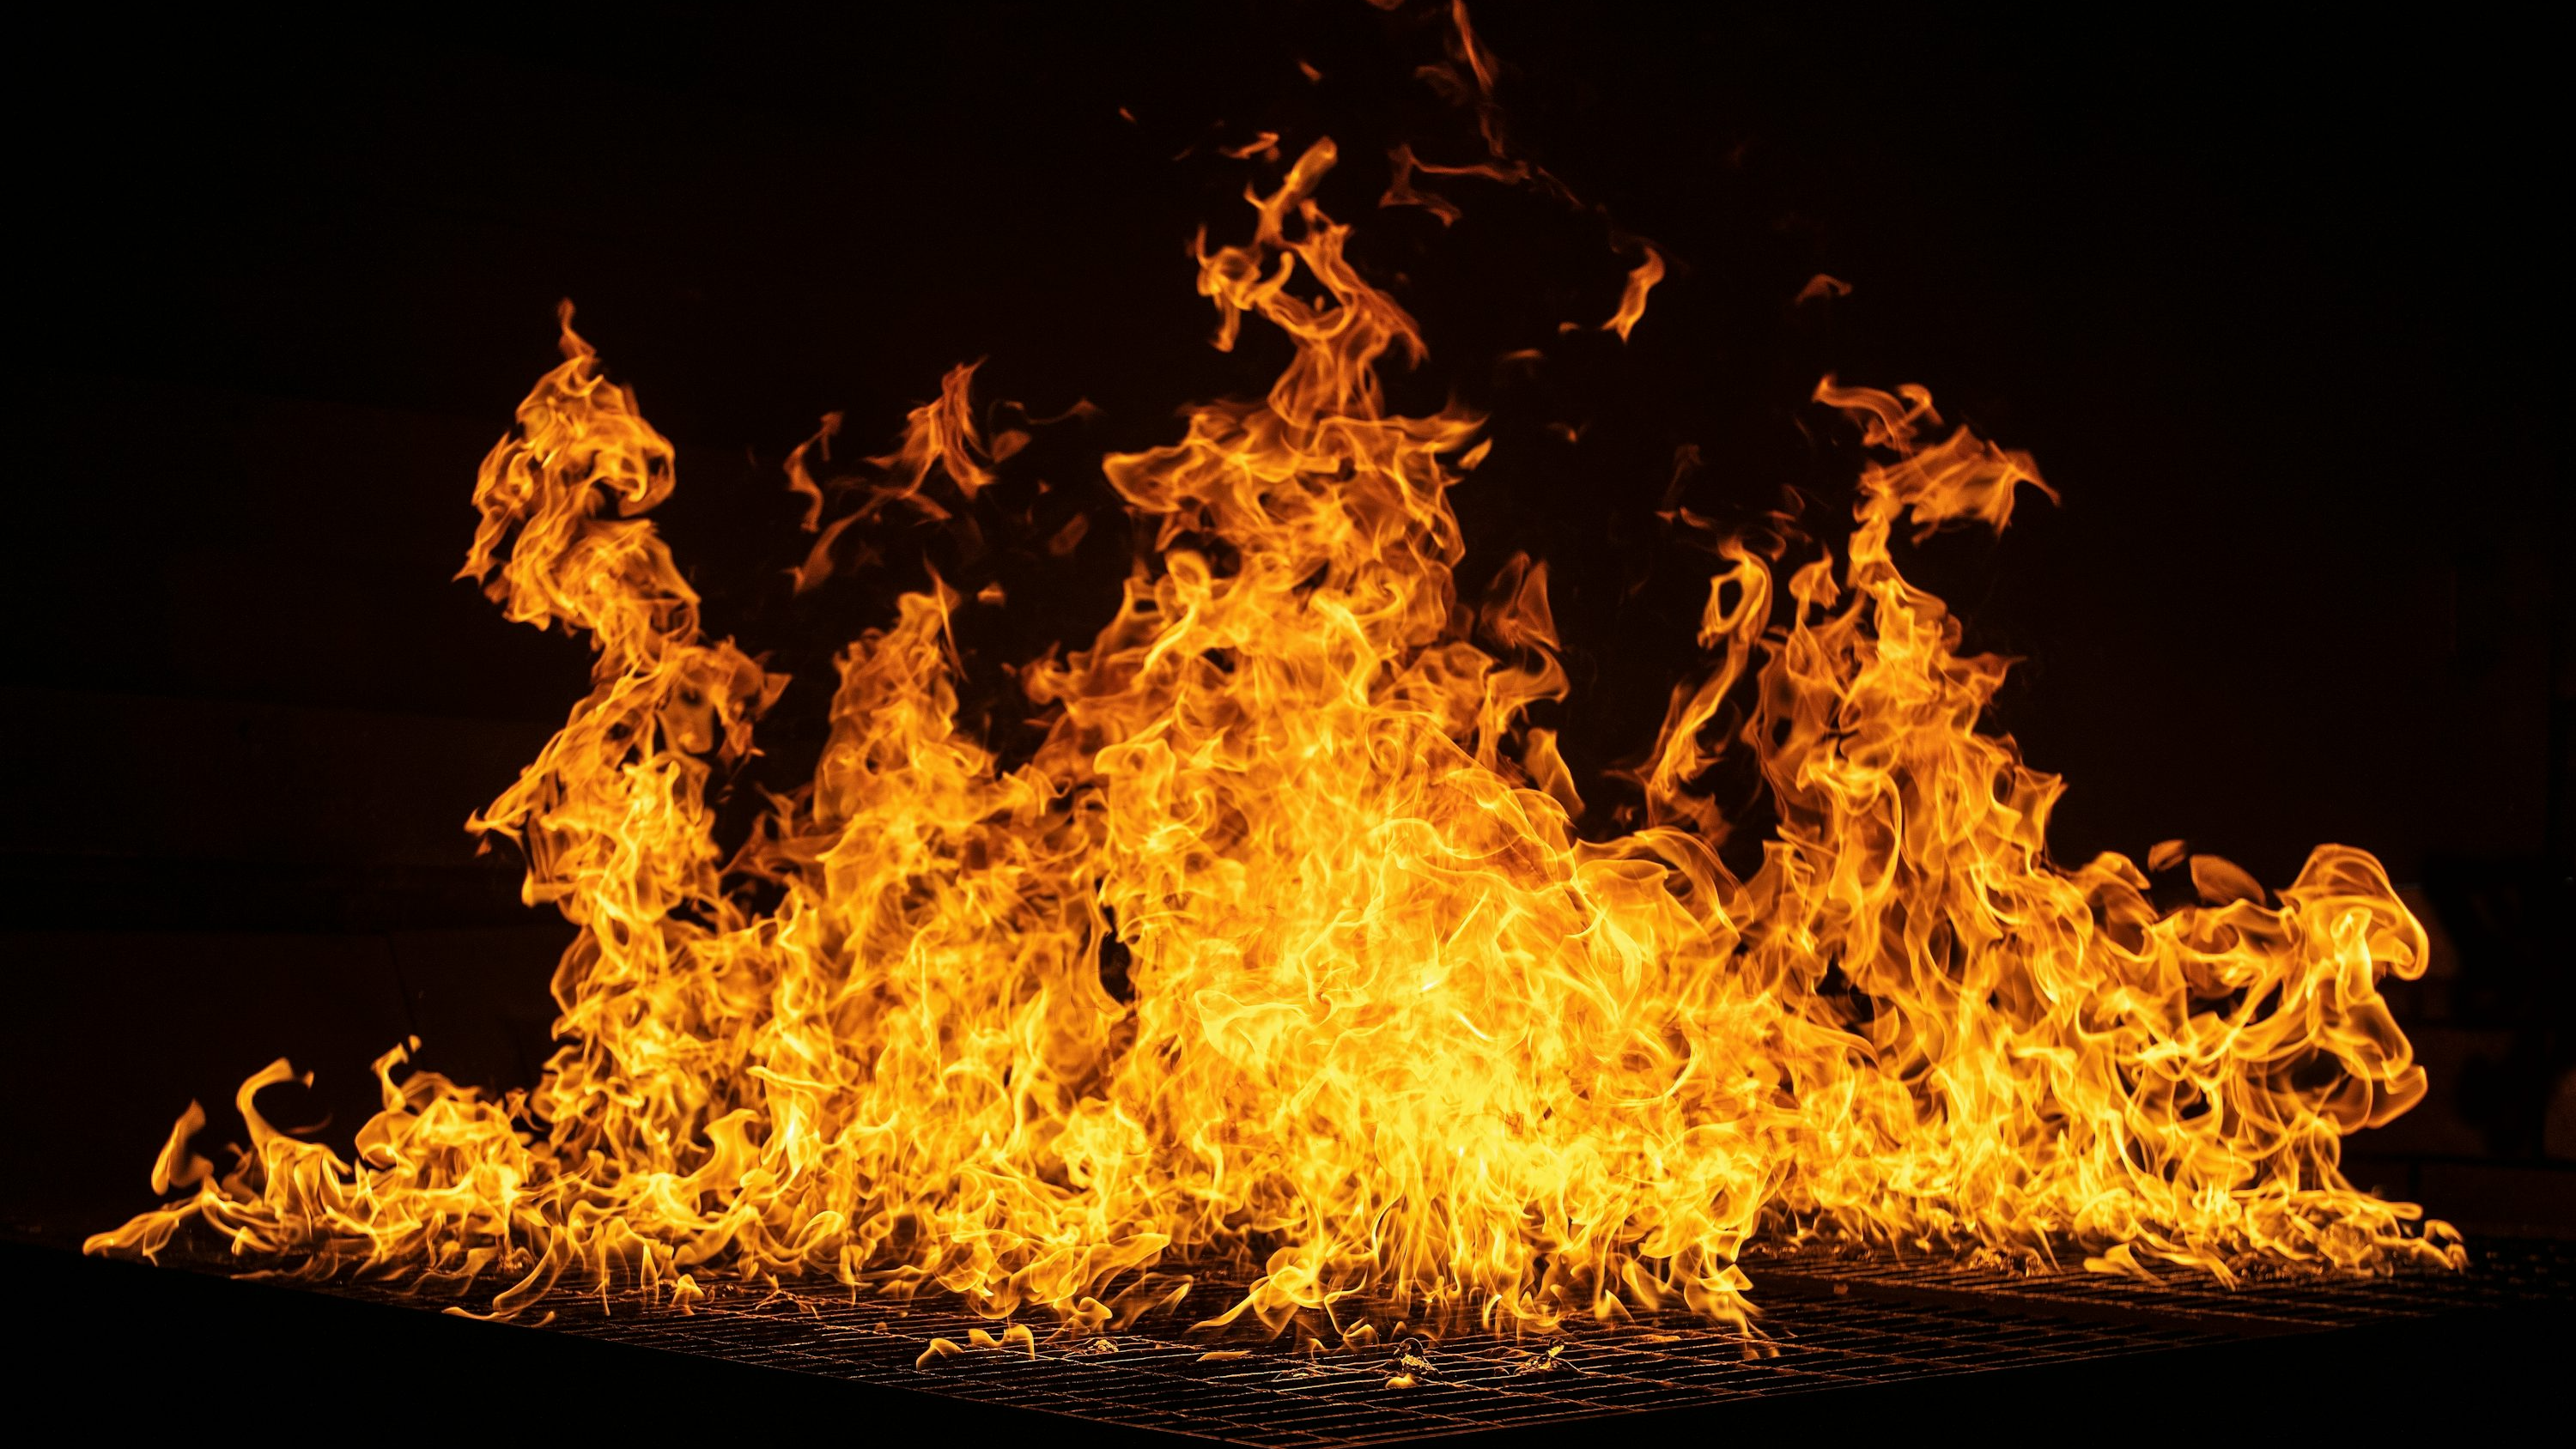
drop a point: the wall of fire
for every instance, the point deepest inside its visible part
(2302, 589)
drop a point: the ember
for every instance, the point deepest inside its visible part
(1403, 1047)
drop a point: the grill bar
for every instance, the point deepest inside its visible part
(1828, 1325)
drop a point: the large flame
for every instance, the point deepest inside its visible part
(1399, 1039)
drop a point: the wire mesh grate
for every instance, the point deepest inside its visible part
(1828, 1322)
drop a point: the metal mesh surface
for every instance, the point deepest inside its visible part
(1828, 1322)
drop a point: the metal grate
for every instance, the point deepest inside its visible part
(1829, 1322)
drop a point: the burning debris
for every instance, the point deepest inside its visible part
(1553, 1361)
(1411, 1366)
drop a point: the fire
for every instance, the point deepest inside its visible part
(1401, 1041)
(1632, 301)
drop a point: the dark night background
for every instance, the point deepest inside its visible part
(2279, 309)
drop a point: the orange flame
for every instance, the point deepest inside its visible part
(1396, 1037)
(1821, 286)
(1632, 301)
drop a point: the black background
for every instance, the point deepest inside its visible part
(2279, 307)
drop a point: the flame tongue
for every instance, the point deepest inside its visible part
(1397, 1033)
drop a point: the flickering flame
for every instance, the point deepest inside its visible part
(1400, 1039)
(1632, 302)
